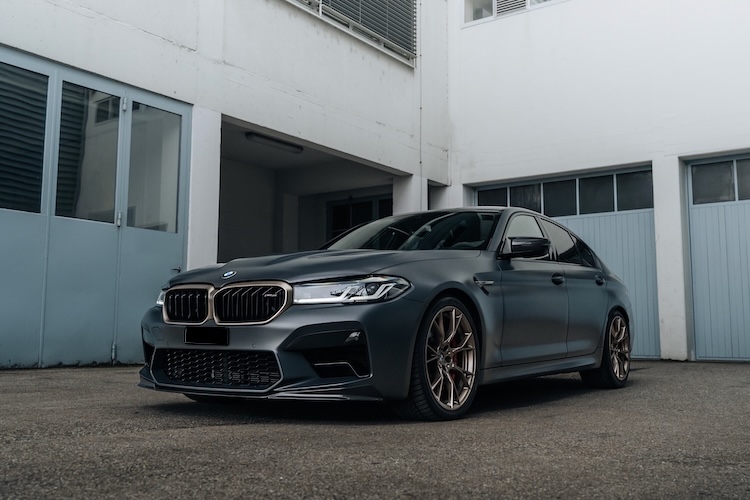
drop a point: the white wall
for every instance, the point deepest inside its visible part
(203, 209)
(267, 62)
(586, 84)
(433, 93)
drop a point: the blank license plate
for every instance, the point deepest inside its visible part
(211, 335)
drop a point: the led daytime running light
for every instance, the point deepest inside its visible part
(370, 289)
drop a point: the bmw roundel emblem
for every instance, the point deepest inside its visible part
(228, 275)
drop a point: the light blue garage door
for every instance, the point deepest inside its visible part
(720, 254)
(625, 241)
(92, 196)
(614, 214)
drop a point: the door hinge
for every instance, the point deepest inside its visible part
(114, 352)
(118, 219)
(124, 103)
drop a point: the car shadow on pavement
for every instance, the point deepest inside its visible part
(500, 397)
(527, 392)
(505, 396)
(261, 411)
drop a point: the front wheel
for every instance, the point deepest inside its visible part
(615, 368)
(445, 366)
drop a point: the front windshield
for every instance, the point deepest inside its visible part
(423, 231)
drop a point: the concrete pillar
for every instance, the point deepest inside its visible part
(453, 196)
(672, 258)
(409, 194)
(203, 198)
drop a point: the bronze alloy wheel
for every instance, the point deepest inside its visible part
(615, 367)
(451, 358)
(619, 347)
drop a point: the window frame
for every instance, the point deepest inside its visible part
(735, 179)
(547, 180)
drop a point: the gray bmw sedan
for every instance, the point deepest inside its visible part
(417, 309)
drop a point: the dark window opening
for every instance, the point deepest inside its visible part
(344, 215)
(743, 179)
(597, 194)
(493, 197)
(713, 183)
(528, 196)
(560, 198)
(635, 190)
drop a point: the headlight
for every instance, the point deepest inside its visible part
(351, 291)
(160, 299)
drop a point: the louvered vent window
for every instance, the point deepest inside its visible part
(23, 114)
(480, 9)
(506, 6)
(388, 23)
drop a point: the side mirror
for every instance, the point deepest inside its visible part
(527, 247)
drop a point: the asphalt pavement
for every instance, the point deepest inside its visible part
(678, 430)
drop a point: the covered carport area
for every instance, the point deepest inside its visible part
(280, 194)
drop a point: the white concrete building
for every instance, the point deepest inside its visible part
(141, 138)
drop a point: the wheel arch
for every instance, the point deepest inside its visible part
(617, 308)
(421, 403)
(466, 300)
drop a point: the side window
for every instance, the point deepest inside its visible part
(563, 243)
(523, 226)
(587, 256)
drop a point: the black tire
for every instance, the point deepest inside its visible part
(615, 368)
(445, 366)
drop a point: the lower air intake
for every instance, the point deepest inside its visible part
(252, 370)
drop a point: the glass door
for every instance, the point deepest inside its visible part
(116, 235)
(93, 184)
(152, 244)
(83, 238)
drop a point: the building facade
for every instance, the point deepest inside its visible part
(144, 138)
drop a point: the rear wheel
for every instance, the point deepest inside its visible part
(615, 368)
(445, 364)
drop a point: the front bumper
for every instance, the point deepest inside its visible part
(310, 352)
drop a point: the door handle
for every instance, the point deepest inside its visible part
(599, 280)
(178, 269)
(558, 279)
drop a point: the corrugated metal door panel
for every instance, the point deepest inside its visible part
(24, 109)
(22, 255)
(720, 252)
(625, 241)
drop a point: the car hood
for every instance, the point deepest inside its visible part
(312, 266)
